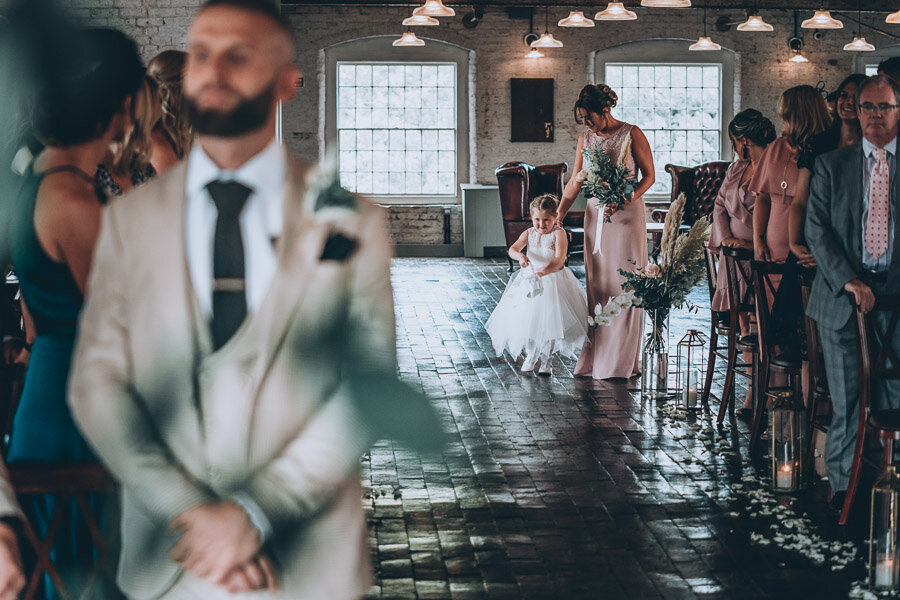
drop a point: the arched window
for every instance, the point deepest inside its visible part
(867, 62)
(399, 117)
(682, 100)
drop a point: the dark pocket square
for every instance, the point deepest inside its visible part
(338, 247)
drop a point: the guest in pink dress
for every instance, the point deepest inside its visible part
(750, 134)
(614, 350)
(804, 114)
(732, 226)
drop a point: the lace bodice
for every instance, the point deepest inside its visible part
(541, 248)
(613, 145)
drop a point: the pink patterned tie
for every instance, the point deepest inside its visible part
(879, 205)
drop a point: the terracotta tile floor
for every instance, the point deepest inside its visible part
(556, 487)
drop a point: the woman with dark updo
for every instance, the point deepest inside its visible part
(732, 226)
(81, 108)
(614, 350)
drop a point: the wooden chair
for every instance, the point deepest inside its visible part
(700, 185)
(877, 360)
(68, 483)
(736, 265)
(518, 184)
(764, 287)
(818, 402)
(720, 325)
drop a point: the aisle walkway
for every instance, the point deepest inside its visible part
(564, 488)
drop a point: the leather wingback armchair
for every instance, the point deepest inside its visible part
(700, 185)
(519, 183)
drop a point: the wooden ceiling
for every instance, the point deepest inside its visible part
(589, 5)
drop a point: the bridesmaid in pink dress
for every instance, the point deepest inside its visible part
(804, 114)
(614, 350)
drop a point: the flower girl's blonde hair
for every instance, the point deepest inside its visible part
(545, 202)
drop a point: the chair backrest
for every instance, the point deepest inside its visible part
(70, 484)
(876, 336)
(700, 185)
(712, 266)
(737, 269)
(766, 278)
(519, 183)
(813, 343)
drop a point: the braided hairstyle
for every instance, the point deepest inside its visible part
(166, 70)
(545, 203)
(595, 99)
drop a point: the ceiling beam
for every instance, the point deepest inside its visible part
(835, 5)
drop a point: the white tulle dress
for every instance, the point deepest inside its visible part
(540, 315)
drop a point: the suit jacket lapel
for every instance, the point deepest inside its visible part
(298, 252)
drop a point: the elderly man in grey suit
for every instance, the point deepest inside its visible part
(11, 578)
(208, 374)
(852, 228)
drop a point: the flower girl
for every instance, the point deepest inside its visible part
(543, 309)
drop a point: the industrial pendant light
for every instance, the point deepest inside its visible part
(755, 22)
(615, 11)
(704, 43)
(534, 53)
(859, 43)
(894, 18)
(434, 8)
(408, 39)
(666, 3)
(822, 19)
(546, 40)
(576, 18)
(420, 21)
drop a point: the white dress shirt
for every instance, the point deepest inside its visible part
(261, 220)
(883, 263)
(261, 224)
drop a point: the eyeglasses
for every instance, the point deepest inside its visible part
(881, 108)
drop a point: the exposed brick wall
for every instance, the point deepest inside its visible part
(497, 42)
(424, 224)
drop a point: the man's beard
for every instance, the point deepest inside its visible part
(248, 116)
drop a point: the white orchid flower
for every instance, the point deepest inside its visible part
(614, 309)
(591, 322)
(603, 320)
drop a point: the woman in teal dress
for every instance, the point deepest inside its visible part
(81, 109)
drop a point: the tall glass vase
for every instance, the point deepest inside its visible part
(655, 355)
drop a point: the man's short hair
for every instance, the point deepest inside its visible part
(879, 80)
(266, 8)
(890, 67)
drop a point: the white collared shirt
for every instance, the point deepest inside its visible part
(261, 220)
(261, 223)
(882, 263)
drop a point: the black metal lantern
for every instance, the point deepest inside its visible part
(884, 564)
(787, 432)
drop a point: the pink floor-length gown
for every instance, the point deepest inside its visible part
(613, 350)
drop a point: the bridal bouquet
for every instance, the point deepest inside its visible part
(658, 287)
(609, 184)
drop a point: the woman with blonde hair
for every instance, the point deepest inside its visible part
(803, 115)
(171, 135)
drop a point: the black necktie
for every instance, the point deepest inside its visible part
(229, 300)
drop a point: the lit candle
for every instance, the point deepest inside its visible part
(884, 573)
(784, 478)
(689, 396)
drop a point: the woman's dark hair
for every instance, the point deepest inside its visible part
(85, 86)
(751, 124)
(856, 79)
(595, 99)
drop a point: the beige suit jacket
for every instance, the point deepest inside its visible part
(267, 414)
